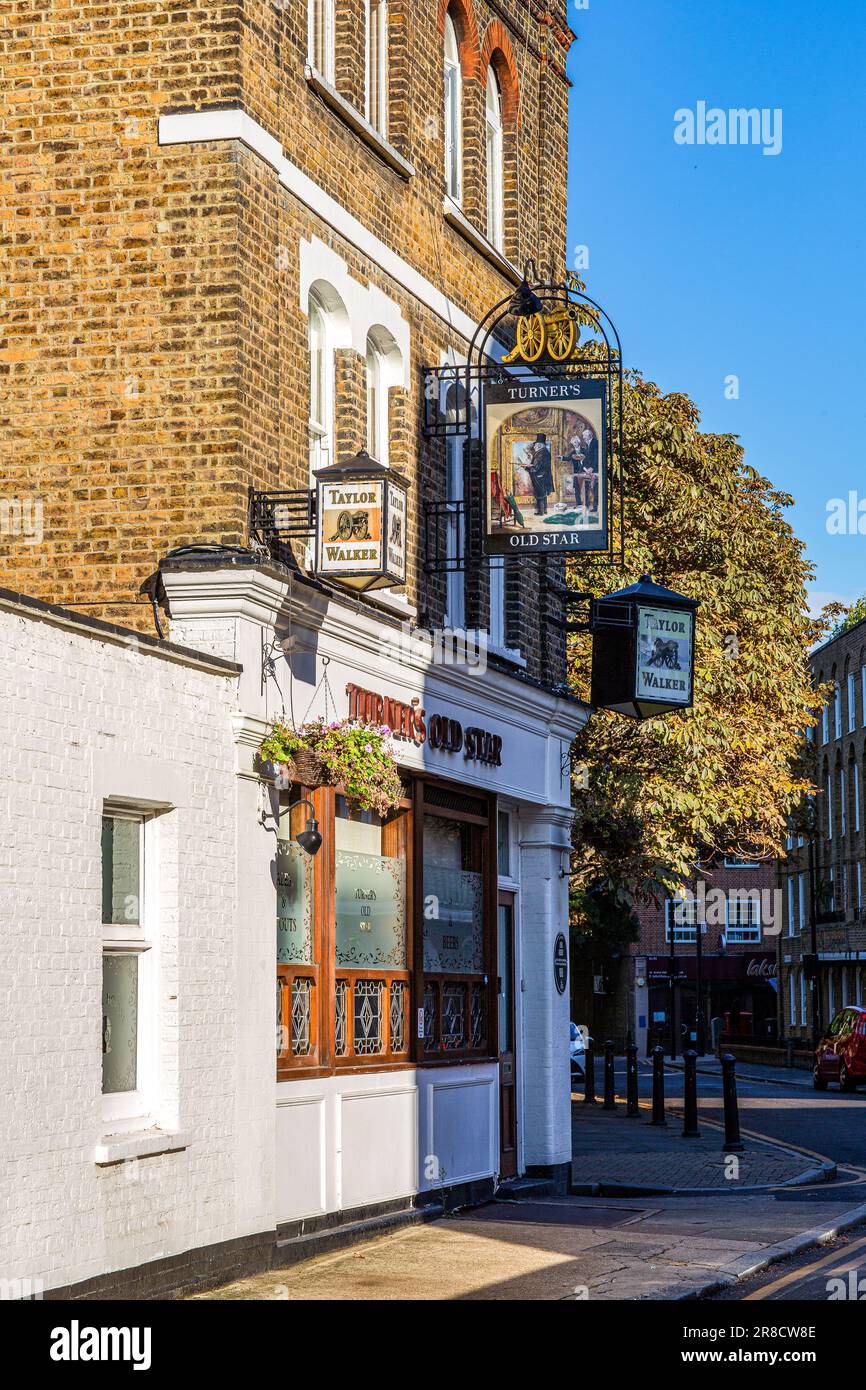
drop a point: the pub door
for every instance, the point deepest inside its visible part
(507, 1077)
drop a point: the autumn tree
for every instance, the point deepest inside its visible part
(723, 776)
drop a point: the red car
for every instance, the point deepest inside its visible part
(841, 1053)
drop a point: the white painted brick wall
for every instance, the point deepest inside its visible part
(71, 706)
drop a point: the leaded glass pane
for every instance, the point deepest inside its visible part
(431, 994)
(453, 898)
(341, 1018)
(294, 870)
(121, 871)
(368, 1017)
(302, 993)
(398, 1015)
(477, 1015)
(453, 1015)
(119, 1022)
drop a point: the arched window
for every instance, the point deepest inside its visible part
(320, 37)
(494, 161)
(321, 405)
(837, 710)
(852, 702)
(377, 65)
(453, 112)
(377, 404)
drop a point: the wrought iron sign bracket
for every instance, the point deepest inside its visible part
(289, 514)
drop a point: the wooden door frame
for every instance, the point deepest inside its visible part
(507, 897)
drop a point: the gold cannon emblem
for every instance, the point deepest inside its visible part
(554, 333)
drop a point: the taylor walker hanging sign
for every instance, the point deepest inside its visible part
(546, 460)
(664, 655)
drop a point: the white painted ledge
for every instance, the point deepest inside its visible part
(118, 1148)
(358, 123)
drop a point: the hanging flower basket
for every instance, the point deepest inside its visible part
(358, 757)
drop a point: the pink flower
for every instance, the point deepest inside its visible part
(385, 731)
(368, 747)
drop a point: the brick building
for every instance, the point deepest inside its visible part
(238, 239)
(830, 872)
(650, 993)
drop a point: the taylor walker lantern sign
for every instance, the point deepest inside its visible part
(546, 465)
(361, 524)
(643, 650)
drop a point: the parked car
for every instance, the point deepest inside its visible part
(578, 1039)
(841, 1053)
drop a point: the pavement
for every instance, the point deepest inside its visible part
(617, 1155)
(681, 1245)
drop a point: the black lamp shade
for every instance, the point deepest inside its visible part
(309, 839)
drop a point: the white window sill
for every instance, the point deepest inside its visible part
(508, 654)
(361, 126)
(143, 1143)
(457, 219)
(395, 603)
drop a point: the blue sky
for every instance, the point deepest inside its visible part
(718, 260)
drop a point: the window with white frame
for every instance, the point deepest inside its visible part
(843, 810)
(801, 899)
(731, 862)
(377, 65)
(802, 975)
(829, 806)
(859, 886)
(852, 702)
(320, 37)
(825, 724)
(792, 997)
(791, 886)
(495, 177)
(743, 917)
(455, 593)
(681, 918)
(831, 889)
(128, 990)
(856, 779)
(453, 113)
(837, 709)
(497, 602)
(378, 424)
(321, 386)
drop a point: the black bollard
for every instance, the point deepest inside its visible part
(733, 1142)
(609, 1081)
(659, 1086)
(589, 1074)
(632, 1107)
(690, 1095)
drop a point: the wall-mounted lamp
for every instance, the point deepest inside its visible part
(309, 838)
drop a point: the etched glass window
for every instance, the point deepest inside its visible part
(370, 894)
(453, 898)
(294, 883)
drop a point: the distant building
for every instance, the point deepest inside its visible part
(830, 872)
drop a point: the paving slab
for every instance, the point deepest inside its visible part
(615, 1153)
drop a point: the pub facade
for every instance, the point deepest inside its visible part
(283, 1016)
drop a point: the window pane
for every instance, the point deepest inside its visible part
(368, 1017)
(370, 894)
(453, 897)
(119, 1022)
(121, 871)
(294, 870)
(504, 844)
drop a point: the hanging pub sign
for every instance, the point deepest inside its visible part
(361, 524)
(643, 650)
(546, 465)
